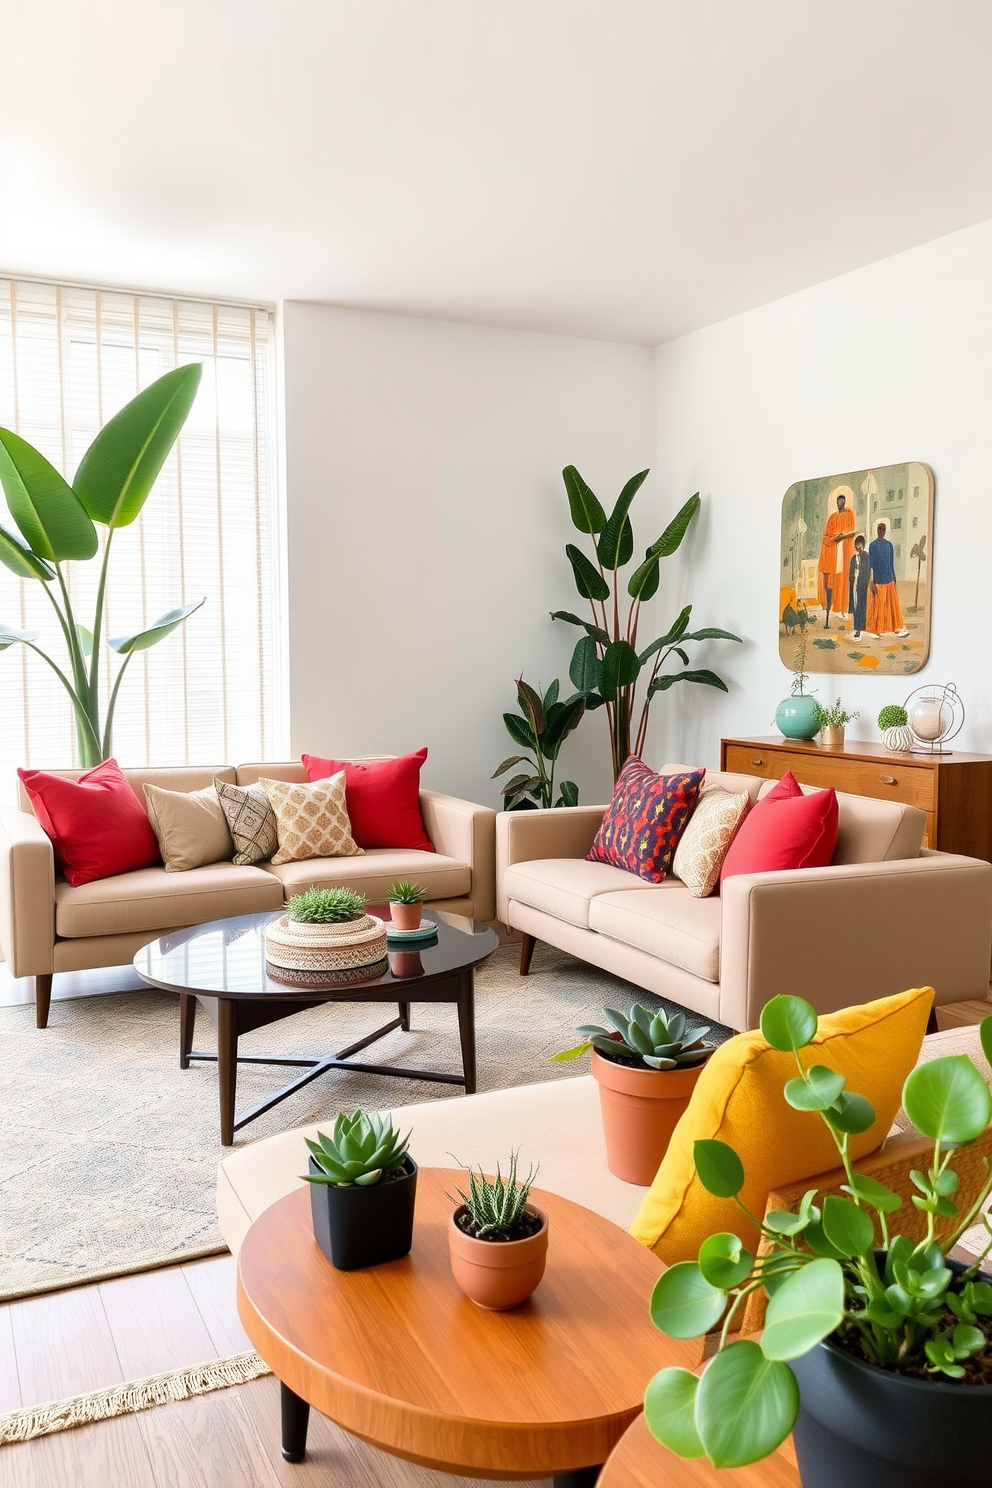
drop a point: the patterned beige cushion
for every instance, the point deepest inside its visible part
(312, 820)
(251, 820)
(704, 843)
(190, 827)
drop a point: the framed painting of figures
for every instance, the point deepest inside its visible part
(856, 567)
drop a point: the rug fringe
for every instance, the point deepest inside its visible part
(123, 1400)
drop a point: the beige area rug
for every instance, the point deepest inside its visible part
(108, 1151)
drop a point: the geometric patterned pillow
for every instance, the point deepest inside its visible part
(642, 826)
(311, 820)
(704, 843)
(251, 820)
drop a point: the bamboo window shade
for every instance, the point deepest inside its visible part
(69, 359)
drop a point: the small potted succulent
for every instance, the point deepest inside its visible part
(405, 900)
(646, 1067)
(322, 914)
(896, 733)
(497, 1239)
(877, 1348)
(832, 722)
(363, 1186)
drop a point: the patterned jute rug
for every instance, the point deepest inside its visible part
(109, 1151)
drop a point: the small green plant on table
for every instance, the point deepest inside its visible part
(496, 1208)
(361, 1150)
(405, 892)
(326, 906)
(649, 1039)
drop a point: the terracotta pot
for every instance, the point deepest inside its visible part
(498, 1274)
(405, 964)
(406, 916)
(640, 1110)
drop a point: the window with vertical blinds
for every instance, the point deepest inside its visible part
(69, 359)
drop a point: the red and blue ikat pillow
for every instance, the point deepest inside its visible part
(645, 819)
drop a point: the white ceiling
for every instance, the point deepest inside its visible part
(628, 169)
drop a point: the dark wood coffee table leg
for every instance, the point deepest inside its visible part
(227, 1066)
(295, 1414)
(579, 1477)
(404, 1008)
(187, 1022)
(466, 1028)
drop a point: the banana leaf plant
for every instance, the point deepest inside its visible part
(610, 667)
(542, 726)
(56, 525)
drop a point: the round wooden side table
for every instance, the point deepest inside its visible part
(641, 1462)
(398, 1356)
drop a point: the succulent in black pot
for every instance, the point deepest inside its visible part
(363, 1189)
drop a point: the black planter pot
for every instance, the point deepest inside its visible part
(357, 1227)
(864, 1427)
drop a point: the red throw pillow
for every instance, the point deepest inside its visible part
(382, 796)
(785, 829)
(645, 819)
(97, 824)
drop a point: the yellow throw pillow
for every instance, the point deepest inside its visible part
(738, 1100)
(312, 820)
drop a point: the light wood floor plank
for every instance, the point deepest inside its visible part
(212, 1283)
(155, 1323)
(63, 1345)
(205, 1443)
(111, 1454)
(10, 1386)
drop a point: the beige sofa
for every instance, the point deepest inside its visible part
(46, 926)
(884, 915)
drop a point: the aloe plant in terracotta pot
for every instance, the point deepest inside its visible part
(498, 1240)
(405, 901)
(646, 1067)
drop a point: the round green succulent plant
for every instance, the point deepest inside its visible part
(892, 716)
(361, 1149)
(654, 1040)
(326, 906)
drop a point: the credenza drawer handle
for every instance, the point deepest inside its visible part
(757, 762)
(887, 779)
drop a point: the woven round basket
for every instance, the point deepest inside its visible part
(290, 978)
(358, 943)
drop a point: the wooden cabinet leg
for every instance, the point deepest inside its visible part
(227, 1067)
(527, 944)
(295, 1418)
(42, 999)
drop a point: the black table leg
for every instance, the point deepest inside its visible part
(227, 1066)
(295, 1414)
(579, 1477)
(404, 1008)
(187, 1022)
(466, 1028)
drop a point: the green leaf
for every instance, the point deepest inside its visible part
(584, 668)
(587, 514)
(588, 580)
(21, 561)
(620, 667)
(788, 1023)
(671, 539)
(50, 516)
(820, 1089)
(569, 793)
(720, 1170)
(643, 582)
(567, 1054)
(117, 472)
(724, 1261)
(551, 695)
(515, 759)
(948, 1100)
(684, 1304)
(531, 706)
(852, 1113)
(669, 1405)
(676, 633)
(985, 1034)
(870, 1191)
(561, 719)
(85, 639)
(808, 1306)
(10, 637)
(702, 676)
(616, 543)
(783, 1222)
(711, 633)
(142, 640)
(519, 732)
(596, 631)
(818, 1242)
(847, 1226)
(746, 1405)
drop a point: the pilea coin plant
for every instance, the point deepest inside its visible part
(842, 1285)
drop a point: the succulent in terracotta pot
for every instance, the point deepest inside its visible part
(405, 900)
(497, 1239)
(646, 1066)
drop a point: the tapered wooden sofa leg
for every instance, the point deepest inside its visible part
(527, 944)
(42, 999)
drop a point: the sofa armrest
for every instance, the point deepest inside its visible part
(463, 830)
(27, 894)
(847, 934)
(560, 832)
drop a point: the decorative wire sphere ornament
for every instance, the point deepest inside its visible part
(936, 715)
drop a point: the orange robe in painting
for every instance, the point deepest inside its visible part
(835, 559)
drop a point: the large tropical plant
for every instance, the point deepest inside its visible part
(609, 664)
(56, 525)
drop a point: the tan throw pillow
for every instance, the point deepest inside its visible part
(251, 820)
(312, 820)
(190, 826)
(704, 843)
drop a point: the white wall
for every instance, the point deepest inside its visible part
(891, 363)
(426, 525)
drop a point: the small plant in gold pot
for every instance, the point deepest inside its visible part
(405, 901)
(646, 1067)
(498, 1240)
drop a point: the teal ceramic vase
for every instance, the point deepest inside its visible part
(796, 717)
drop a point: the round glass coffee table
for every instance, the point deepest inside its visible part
(221, 967)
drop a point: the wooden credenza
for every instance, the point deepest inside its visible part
(954, 789)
